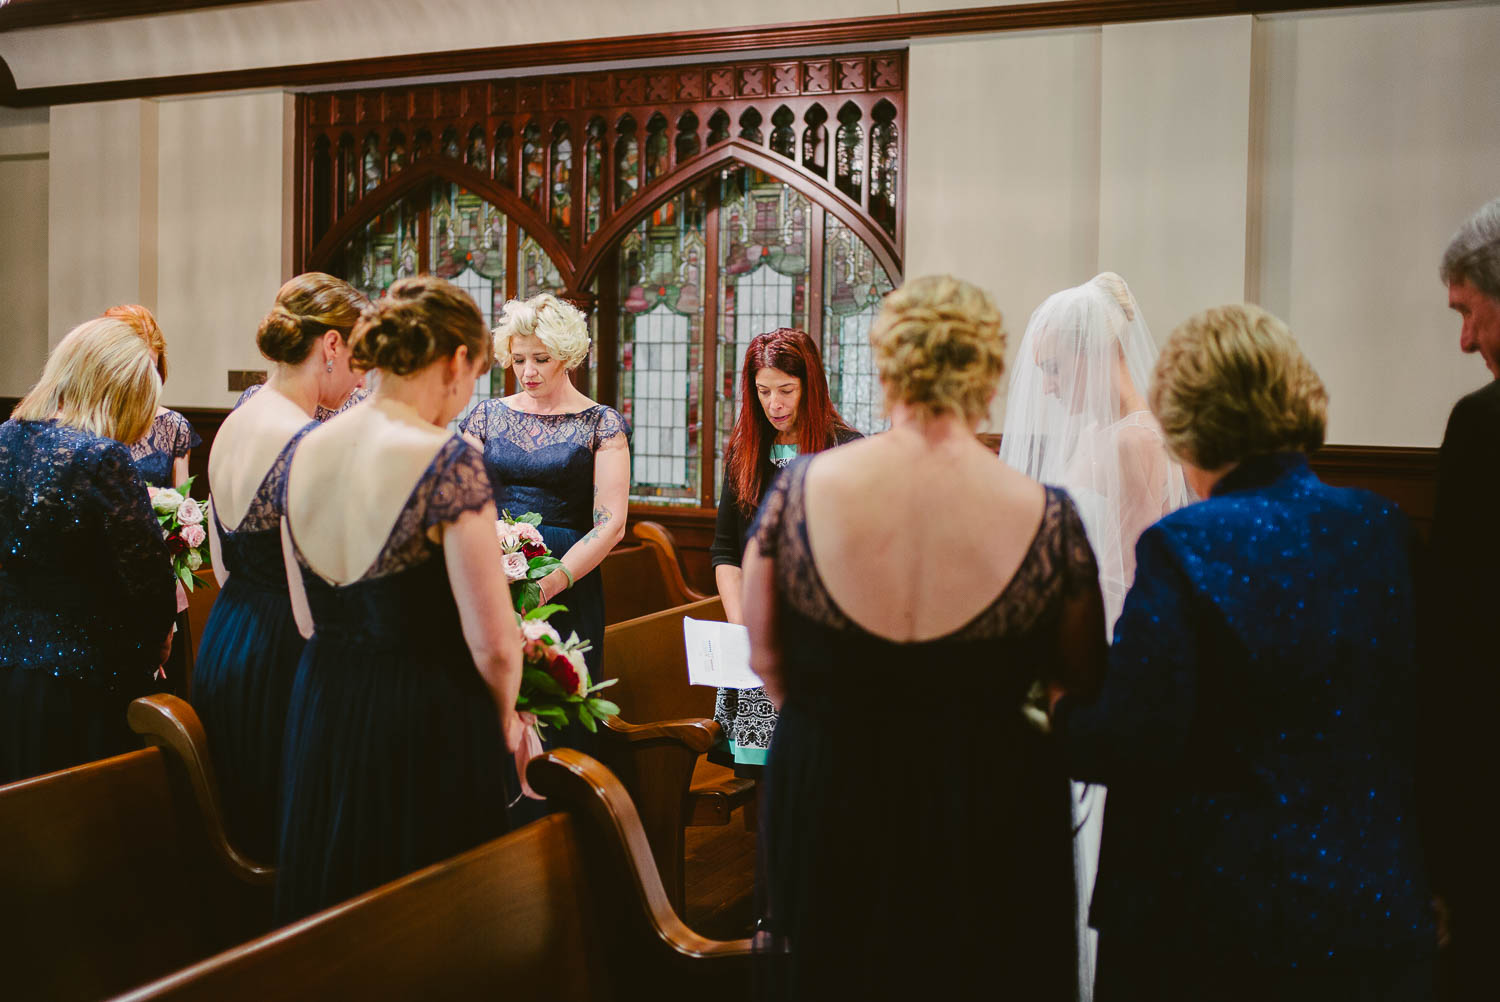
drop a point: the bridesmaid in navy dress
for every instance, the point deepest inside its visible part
(915, 836)
(552, 450)
(161, 455)
(86, 596)
(250, 648)
(403, 708)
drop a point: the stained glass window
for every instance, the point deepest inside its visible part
(849, 155)
(660, 345)
(373, 173)
(853, 285)
(627, 162)
(562, 180)
(594, 179)
(764, 272)
(532, 176)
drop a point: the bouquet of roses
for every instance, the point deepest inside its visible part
(555, 685)
(526, 559)
(181, 520)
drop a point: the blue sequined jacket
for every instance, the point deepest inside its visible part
(1256, 729)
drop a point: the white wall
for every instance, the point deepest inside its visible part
(1382, 135)
(23, 248)
(1174, 163)
(1003, 166)
(221, 236)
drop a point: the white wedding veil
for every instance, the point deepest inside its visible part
(1076, 418)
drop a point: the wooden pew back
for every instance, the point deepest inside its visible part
(568, 907)
(646, 577)
(647, 655)
(113, 875)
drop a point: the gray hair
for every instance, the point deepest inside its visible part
(1473, 255)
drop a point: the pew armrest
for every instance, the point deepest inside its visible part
(659, 538)
(169, 724)
(696, 733)
(591, 791)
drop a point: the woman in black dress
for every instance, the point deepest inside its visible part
(403, 706)
(902, 594)
(86, 586)
(785, 411)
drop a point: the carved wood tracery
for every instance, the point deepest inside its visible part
(578, 159)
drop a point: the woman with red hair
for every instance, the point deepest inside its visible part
(785, 411)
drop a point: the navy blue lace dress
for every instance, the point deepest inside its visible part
(916, 835)
(393, 757)
(246, 662)
(86, 597)
(171, 437)
(545, 463)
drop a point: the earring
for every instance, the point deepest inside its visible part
(329, 366)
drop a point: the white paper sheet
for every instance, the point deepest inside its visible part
(718, 654)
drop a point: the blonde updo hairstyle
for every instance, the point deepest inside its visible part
(100, 378)
(1231, 383)
(939, 345)
(560, 326)
(144, 323)
(307, 307)
(419, 320)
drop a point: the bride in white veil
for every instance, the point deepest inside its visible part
(1076, 417)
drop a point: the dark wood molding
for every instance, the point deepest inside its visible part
(876, 30)
(41, 13)
(7, 85)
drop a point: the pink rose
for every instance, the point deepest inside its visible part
(515, 566)
(189, 513)
(194, 535)
(507, 535)
(529, 533)
(539, 629)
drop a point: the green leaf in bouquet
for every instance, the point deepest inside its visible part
(530, 518)
(526, 594)
(543, 611)
(554, 715)
(185, 576)
(185, 488)
(602, 708)
(538, 679)
(537, 573)
(602, 685)
(587, 719)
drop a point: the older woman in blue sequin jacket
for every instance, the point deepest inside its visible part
(1256, 727)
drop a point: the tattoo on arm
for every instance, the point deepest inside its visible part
(601, 516)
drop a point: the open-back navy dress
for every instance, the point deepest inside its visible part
(246, 662)
(86, 597)
(393, 757)
(916, 838)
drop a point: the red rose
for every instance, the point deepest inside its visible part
(533, 550)
(563, 673)
(176, 545)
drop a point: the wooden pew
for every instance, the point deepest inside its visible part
(646, 577)
(660, 759)
(568, 907)
(119, 871)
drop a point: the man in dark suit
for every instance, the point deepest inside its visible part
(1464, 630)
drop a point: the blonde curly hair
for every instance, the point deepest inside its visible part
(560, 326)
(1231, 383)
(939, 345)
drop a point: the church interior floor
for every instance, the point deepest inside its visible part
(720, 878)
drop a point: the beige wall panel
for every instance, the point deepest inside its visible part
(1382, 135)
(312, 31)
(220, 233)
(1173, 167)
(23, 271)
(1003, 181)
(94, 211)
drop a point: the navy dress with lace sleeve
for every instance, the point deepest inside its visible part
(86, 597)
(171, 437)
(393, 757)
(247, 659)
(967, 878)
(545, 463)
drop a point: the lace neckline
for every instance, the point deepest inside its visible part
(438, 458)
(1049, 500)
(555, 414)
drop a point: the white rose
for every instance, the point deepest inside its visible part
(507, 534)
(539, 629)
(576, 657)
(189, 513)
(515, 566)
(167, 501)
(194, 561)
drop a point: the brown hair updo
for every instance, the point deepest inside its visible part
(418, 321)
(307, 307)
